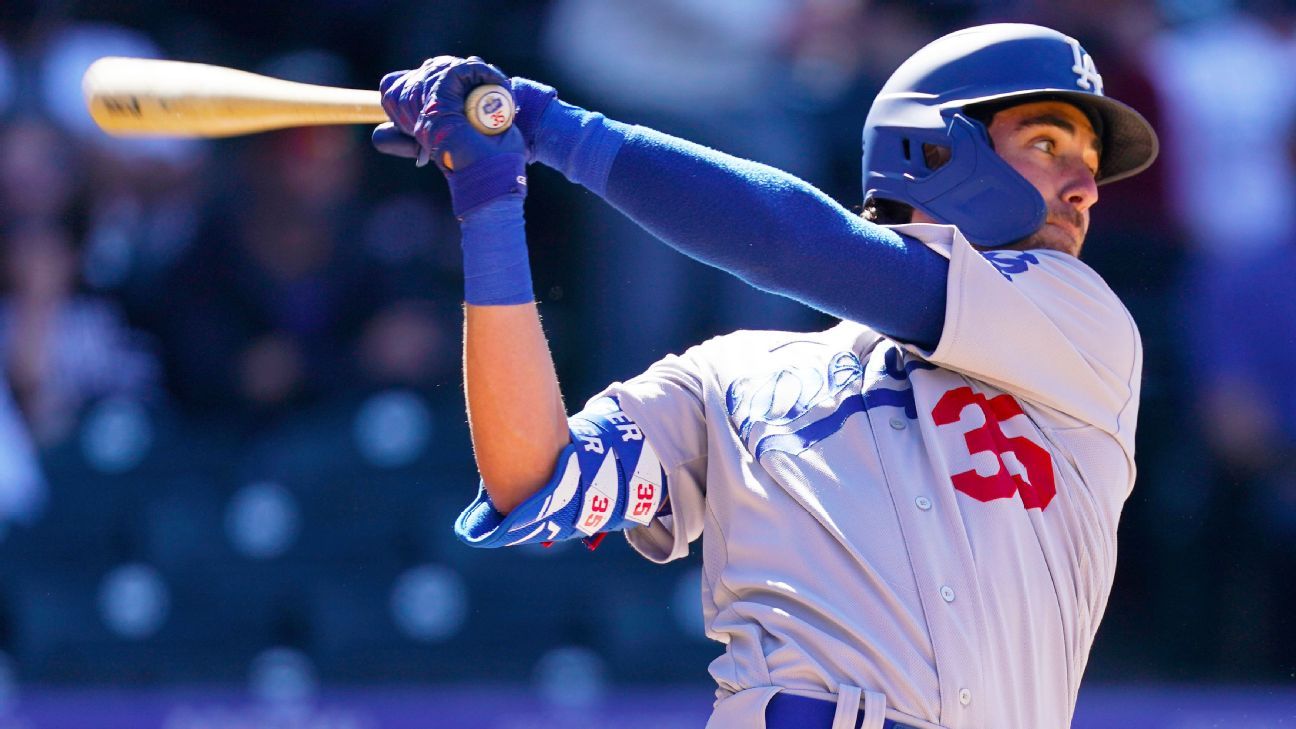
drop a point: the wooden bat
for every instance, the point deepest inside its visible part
(149, 97)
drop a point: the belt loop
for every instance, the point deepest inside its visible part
(874, 710)
(848, 706)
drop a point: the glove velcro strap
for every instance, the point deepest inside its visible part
(485, 180)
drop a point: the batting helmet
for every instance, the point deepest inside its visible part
(932, 99)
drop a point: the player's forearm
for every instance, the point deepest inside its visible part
(765, 226)
(515, 409)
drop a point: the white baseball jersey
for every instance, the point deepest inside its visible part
(937, 527)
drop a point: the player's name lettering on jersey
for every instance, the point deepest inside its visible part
(777, 400)
(612, 414)
(587, 434)
(627, 427)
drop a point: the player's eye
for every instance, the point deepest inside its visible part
(1045, 145)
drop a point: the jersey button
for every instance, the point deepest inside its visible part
(947, 593)
(965, 697)
(898, 423)
(923, 503)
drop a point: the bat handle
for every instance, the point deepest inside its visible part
(490, 110)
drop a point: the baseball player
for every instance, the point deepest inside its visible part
(907, 520)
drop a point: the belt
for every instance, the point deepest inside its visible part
(788, 711)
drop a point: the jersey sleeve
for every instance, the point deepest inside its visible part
(667, 403)
(1042, 325)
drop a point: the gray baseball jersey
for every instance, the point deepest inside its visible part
(937, 528)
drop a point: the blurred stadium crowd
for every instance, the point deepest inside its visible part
(235, 435)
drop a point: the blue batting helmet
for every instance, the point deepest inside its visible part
(932, 99)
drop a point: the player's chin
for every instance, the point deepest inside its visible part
(1056, 237)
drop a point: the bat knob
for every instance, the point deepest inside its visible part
(490, 109)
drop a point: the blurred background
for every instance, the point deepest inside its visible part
(232, 440)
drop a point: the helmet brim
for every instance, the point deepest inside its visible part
(1130, 144)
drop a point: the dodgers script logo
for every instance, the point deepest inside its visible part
(793, 407)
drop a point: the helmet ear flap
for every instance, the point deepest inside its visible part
(977, 190)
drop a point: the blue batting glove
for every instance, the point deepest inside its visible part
(426, 106)
(408, 88)
(530, 97)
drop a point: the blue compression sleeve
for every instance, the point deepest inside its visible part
(770, 229)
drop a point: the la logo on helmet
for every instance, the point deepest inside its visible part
(1087, 76)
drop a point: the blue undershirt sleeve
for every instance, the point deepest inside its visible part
(772, 230)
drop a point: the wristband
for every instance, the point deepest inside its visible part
(496, 269)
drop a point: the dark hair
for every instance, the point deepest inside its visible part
(886, 212)
(890, 212)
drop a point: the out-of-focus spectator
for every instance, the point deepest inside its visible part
(22, 486)
(62, 349)
(1242, 316)
(266, 306)
(689, 58)
(8, 82)
(143, 214)
(284, 299)
(1221, 73)
(1225, 87)
(414, 340)
(410, 343)
(836, 76)
(38, 181)
(137, 199)
(57, 55)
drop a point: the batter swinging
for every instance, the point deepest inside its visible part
(908, 519)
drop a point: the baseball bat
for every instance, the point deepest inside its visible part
(150, 97)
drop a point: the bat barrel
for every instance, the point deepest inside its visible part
(148, 97)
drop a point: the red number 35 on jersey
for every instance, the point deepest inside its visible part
(1031, 472)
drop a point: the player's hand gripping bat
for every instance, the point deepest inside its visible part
(148, 97)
